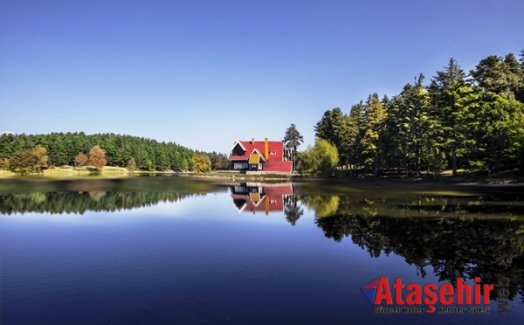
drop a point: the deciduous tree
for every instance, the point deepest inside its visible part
(42, 159)
(320, 159)
(97, 157)
(81, 159)
(22, 162)
(201, 163)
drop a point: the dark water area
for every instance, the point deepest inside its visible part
(171, 250)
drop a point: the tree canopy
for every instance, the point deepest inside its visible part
(57, 149)
(455, 122)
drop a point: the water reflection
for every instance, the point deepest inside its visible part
(258, 197)
(489, 249)
(96, 195)
(428, 232)
(469, 235)
(453, 235)
(81, 202)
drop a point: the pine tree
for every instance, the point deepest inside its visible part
(292, 140)
(371, 141)
(333, 127)
(446, 88)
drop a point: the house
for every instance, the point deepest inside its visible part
(253, 198)
(260, 156)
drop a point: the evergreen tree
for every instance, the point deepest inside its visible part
(333, 127)
(355, 124)
(503, 76)
(446, 89)
(62, 148)
(371, 141)
(292, 140)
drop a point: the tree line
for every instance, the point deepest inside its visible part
(78, 149)
(458, 121)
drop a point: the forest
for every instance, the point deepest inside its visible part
(118, 150)
(459, 121)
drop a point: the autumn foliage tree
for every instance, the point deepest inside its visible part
(97, 157)
(42, 159)
(201, 163)
(81, 159)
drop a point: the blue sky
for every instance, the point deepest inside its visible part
(206, 73)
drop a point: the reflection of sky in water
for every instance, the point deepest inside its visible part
(193, 261)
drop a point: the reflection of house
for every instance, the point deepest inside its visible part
(260, 197)
(262, 156)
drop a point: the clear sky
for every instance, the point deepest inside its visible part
(206, 73)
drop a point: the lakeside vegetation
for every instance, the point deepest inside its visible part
(473, 122)
(29, 154)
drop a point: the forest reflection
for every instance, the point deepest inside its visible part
(450, 234)
(450, 247)
(80, 196)
(81, 202)
(469, 236)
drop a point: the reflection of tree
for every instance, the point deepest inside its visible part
(292, 209)
(80, 202)
(79, 196)
(359, 204)
(490, 249)
(323, 205)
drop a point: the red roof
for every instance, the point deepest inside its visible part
(249, 146)
(275, 161)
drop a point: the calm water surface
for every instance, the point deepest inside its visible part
(166, 250)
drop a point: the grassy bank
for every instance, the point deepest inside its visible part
(67, 172)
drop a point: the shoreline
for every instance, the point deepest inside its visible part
(513, 179)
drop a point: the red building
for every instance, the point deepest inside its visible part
(261, 156)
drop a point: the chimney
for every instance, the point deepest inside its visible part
(266, 148)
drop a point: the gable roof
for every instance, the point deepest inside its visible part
(249, 146)
(238, 143)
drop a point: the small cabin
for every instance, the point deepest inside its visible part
(260, 156)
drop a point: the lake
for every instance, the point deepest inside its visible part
(173, 250)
